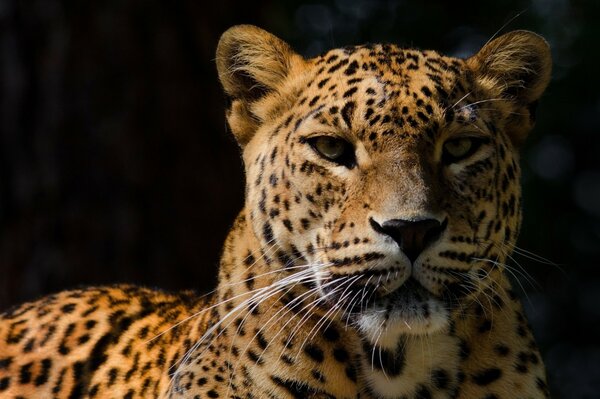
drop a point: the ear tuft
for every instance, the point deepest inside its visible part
(515, 67)
(518, 64)
(251, 63)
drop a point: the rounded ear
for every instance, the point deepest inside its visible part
(515, 67)
(251, 63)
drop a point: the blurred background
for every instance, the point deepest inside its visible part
(115, 164)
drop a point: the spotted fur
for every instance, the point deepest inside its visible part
(375, 272)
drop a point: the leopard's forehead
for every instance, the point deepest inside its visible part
(388, 58)
(402, 73)
(383, 93)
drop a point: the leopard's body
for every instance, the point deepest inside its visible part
(382, 201)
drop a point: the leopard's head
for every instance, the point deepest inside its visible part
(392, 174)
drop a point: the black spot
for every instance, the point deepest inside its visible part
(273, 213)
(112, 376)
(317, 375)
(262, 342)
(422, 393)
(94, 390)
(487, 376)
(390, 362)
(249, 259)
(465, 350)
(502, 350)
(521, 368)
(338, 65)
(250, 281)
(5, 362)
(295, 389)
(4, 383)
(440, 378)
(83, 339)
(449, 115)
(350, 92)
(351, 70)
(288, 360)
(322, 83)
(119, 325)
(68, 308)
(331, 334)
(348, 112)
(332, 58)
(25, 373)
(267, 232)
(341, 355)
(201, 381)
(305, 223)
(255, 358)
(42, 378)
(485, 326)
(314, 352)
(541, 384)
(351, 373)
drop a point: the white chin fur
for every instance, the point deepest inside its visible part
(373, 325)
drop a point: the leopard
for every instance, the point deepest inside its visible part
(370, 259)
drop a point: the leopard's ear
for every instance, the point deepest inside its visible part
(251, 64)
(515, 67)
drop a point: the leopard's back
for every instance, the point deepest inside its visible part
(118, 341)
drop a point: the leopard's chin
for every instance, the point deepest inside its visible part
(409, 310)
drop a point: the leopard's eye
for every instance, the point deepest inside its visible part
(334, 149)
(459, 149)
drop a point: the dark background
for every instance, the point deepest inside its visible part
(115, 165)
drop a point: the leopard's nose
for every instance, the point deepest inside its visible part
(412, 236)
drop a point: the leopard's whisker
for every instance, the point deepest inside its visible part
(317, 325)
(347, 282)
(286, 310)
(289, 338)
(245, 293)
(380, 329)
(480, 102)
(458, 101)
(307, 293)
(259, 295)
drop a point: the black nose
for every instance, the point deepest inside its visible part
(412, 236)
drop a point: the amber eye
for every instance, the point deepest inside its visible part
(460, 148)
(334, 149)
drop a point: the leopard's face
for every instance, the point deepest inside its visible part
(392, 175)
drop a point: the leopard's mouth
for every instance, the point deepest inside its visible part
(410, 309)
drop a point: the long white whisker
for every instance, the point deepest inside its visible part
(462, 98)
(260, 294)
(480, 102)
